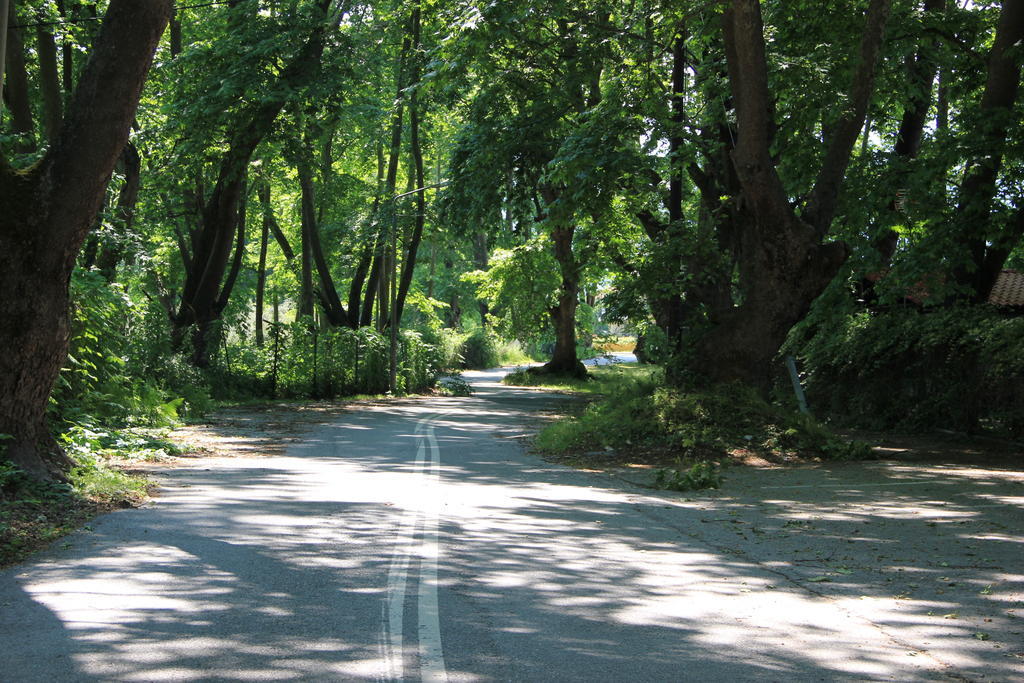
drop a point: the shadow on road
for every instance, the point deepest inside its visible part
(270, 568)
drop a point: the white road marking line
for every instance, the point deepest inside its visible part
(425, 514)
(432, 667)
(392, 620)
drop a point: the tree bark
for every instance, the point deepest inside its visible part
(409, 262)
(564, 360)
(308, 221)
(212, 247)
(261, 269)
(48, 210)
(49, 83)
(783, 266)
(16, 89)
(377, 283)
(337, 316)
(988, 243)
(113, 251)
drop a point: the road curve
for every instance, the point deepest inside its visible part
(416, 540)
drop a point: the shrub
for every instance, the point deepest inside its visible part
(959, 368)
(694, 425)
(454, 385)
(480, 350)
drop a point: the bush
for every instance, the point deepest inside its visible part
(958, 368)
(480, 350)
(300, 360)
(454, 385)
(694, 425)
(109, 377)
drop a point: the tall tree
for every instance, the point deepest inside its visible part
(203, 295)
(783, 262)
(48, 210)
(988, 239)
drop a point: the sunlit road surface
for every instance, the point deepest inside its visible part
(418, 541)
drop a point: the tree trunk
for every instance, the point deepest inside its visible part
(261, 276)
(202, 293)
(113, 251)
(409, 263)
(564, 360)
(49, 83)
(988, 243)
(16, 89)
(388, 211)
(337, 316)
(48, 210)
(480, 261)
(783, 266)
(308, 227)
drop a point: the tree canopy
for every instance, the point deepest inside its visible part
(314, 197)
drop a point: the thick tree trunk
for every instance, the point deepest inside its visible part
(790, 270)
(48, 210)
(564, 360)
(783, 266)
(988, 243)
(16, 89)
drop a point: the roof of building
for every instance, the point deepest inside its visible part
(1008, 290)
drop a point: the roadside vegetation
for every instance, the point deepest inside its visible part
(34, 512)
(716, 187)
(633, 418)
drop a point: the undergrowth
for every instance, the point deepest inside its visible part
(601, 381)
(638, 412)
(698, 476)
(453, 385)
(34, 513)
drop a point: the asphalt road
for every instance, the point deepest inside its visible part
(418, 541)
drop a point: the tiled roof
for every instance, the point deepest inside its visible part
(1008, 290)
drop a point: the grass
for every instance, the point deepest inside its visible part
(511, 353)
(602, 380)
(635, 418)
(33, 513)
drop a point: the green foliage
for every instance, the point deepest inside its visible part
(699, 476)
(95, 480)
(638, 412)
(301, 360)
(512, 353)
(454, 385)
(87, 444)
(101, 381)
(34, 513)
(520, 286)
(959, 368)
(480, 350)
